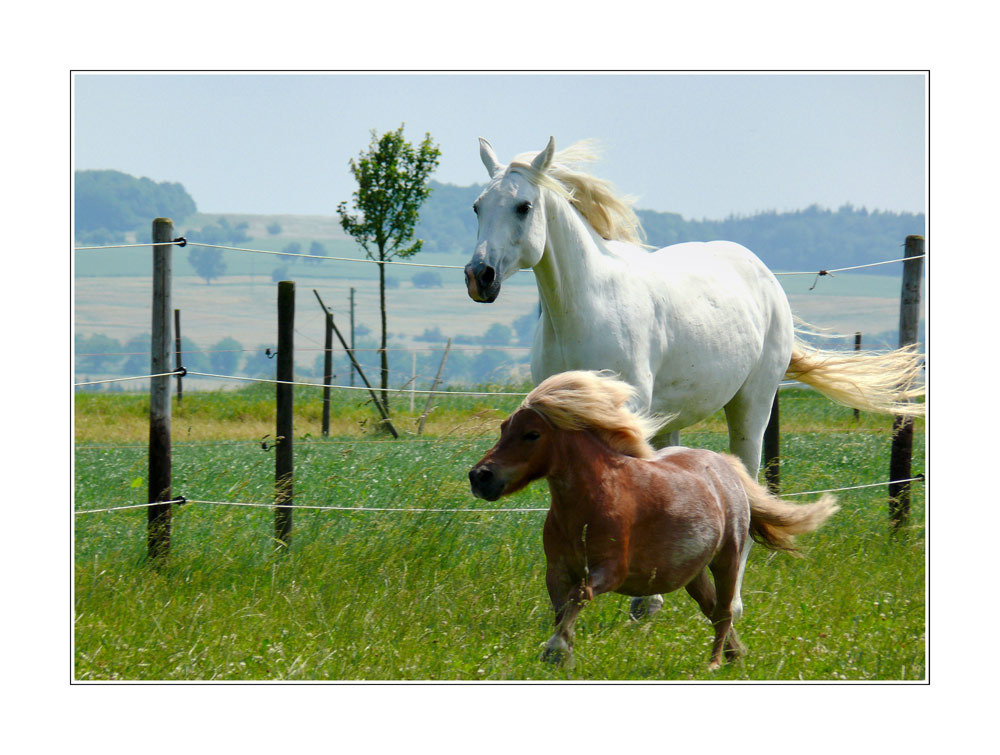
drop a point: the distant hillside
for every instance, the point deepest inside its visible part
(110, 203)
(800, 240)
(114, 207)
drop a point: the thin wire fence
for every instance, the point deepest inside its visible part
(184, 242)
(442, 510)
(181, 500)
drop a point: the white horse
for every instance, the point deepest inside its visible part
(694, 327)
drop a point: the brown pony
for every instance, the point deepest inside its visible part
(625, 518)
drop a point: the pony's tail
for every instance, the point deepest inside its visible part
(880, 382)
(774, 522)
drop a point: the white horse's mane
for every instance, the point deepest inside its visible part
(609, 213)
(596, 401)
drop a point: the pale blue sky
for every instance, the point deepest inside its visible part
(701, 145)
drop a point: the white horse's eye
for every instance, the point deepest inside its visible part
(524, 208)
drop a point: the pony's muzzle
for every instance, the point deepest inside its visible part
(485, 483)
(482, 281)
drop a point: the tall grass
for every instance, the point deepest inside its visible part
(458, 595)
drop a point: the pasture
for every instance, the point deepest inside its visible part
(452, 595)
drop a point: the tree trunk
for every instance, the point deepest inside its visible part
(382, 352)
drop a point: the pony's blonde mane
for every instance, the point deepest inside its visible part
(609, 213)
(583, 400)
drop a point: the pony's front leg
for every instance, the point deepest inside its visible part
(568, 598)
(559, 648)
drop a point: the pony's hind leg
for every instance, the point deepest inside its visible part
(701, 589)
(725, 571)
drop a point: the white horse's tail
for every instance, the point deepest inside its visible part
(881, 382)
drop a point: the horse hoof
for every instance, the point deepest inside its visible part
(715, 665)
(735, 653)
(643, 608)
(557, 656)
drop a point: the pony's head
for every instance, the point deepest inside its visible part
(512, 213)
(570, 401)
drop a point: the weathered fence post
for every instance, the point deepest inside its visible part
(413, 381)
(327, 370)
(283, 458)
(178, 361)
(857, 347)
(158, 517)
(902, 427)
(434, 386)
(772, 447)
(354, 362)
(352, 334)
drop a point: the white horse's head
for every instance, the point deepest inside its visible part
(511, 222)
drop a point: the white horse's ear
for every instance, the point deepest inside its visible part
(544, 158)
(488, 157)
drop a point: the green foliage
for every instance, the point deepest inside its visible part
(800, 240)
(316, 249)
(208, 263)
(274, 228)
(108, 201)
(258, 363)
(225, 356)
(447, 223)
(498, 335)
(106, 353)
(192, 357)
(524, 326)
(220, 232)
(392, 184)
(427, 279)
(138, 359)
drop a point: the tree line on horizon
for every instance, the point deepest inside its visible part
(109, 204)
(812, 237)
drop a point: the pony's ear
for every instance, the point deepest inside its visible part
(488, 157)
(544, 158)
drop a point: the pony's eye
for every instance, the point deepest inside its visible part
(524, 208)
(531, 435)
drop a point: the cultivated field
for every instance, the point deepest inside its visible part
(453, 595)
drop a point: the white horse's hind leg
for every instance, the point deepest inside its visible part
(737, 599)
(747, 415)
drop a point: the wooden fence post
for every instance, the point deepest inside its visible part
(772, 447)
(158, 517)
(413, 381)
(352, 334)
(857, 347)
(283, 457)
(178, 361)
(354, 362)
(902, 427)
(327, 371)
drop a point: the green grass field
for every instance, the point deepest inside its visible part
(455, 595)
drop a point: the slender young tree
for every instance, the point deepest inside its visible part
(392, 181)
